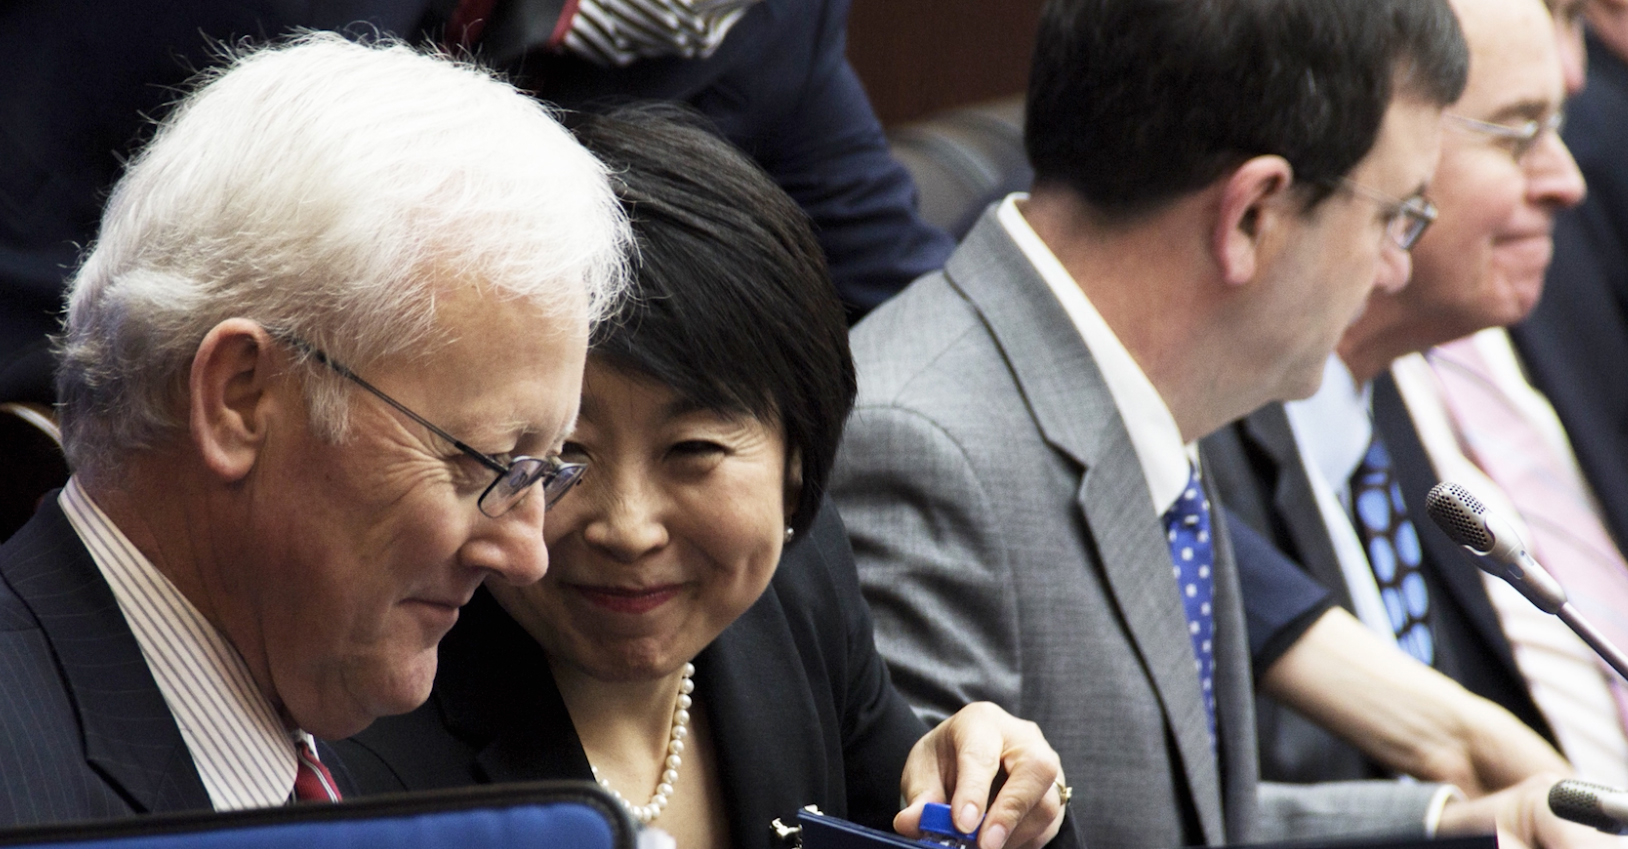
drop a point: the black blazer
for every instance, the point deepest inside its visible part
(84, 730)
(1263, 481)
(800, 701)
(1470, 644)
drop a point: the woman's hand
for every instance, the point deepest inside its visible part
(958, 763)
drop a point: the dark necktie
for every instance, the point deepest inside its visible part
(1187, 529)
(1392, 544)
(313, 783)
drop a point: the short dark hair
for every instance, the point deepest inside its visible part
(732, 307)
(1133, 103)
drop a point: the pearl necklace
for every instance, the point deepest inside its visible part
(648, 812)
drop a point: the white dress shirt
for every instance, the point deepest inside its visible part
(1562, 673)
(1166, 461)
(244, 754)
(1332, 430)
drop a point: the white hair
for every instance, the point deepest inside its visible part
(331, 191)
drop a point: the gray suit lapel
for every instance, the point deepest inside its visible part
(1070, 402)
(1235, 693)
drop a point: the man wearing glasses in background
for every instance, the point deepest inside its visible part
(1339, 480)
(258, 544)
(1018, 476)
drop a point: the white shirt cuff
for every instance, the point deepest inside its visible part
(1447, 793)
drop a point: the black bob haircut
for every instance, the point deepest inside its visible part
(732, 308)
(1133, 103)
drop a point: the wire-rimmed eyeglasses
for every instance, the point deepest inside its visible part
(1405, 220)
(1518, 138)
(514, 479)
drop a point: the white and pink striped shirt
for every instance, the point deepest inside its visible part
(243, 752)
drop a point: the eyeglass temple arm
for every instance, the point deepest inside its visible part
(353, 377)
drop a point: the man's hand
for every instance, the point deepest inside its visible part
(967, 752)
(1521, 816)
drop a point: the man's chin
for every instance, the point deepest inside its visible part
(367, 695)
(409, 688)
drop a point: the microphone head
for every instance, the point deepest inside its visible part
(1459, 514)
(1580, 802)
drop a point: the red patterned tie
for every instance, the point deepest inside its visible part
(313, 783)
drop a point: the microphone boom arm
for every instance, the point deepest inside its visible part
(1499, 552)
(1596, 640)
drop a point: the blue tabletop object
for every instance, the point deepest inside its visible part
(938, 828)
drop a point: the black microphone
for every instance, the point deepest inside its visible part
(1469, 523)
(1595, 805)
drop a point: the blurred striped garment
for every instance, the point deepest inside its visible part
(620, 32)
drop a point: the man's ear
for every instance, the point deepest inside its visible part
(229, 392)
(1252, 197)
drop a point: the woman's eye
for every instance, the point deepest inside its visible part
(573, 452)
(696, 448)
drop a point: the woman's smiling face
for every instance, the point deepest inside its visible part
(673, 534)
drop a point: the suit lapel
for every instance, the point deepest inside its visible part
(1450, 564)
(129, 734)
(751, 682)
(494, 685)
(1235, 693)
(1294, 501)
(1076, 414)
(1114, 501)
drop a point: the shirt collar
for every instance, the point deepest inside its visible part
(1166, 461)
(243, 753)
(1335, 425)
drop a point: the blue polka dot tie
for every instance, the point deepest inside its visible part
(1393, 550)
(1187, 529)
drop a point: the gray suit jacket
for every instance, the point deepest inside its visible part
(1009, 550)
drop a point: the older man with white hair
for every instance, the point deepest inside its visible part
(315, 372)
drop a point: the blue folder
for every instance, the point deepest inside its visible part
(579, 815)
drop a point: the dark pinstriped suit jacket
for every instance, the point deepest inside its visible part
(84, 731)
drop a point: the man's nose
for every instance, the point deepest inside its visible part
(511, 545)
(1552, 176)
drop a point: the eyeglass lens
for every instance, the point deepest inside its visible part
(1412, 218)
(512, 486)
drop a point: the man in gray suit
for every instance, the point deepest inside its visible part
(1219, 189)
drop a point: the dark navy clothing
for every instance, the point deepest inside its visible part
(780, 87)
(79, 80)
(1281, 601)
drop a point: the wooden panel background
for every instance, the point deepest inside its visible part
(918, 57)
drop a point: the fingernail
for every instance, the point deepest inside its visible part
(968, 820)
(995, 836)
